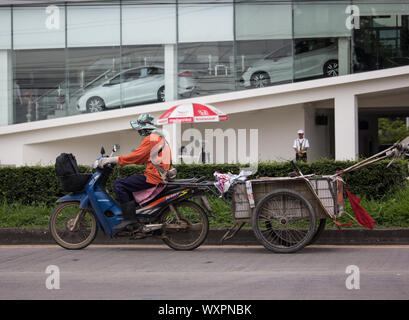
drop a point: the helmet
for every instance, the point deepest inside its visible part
(300, 131)
(144, 122)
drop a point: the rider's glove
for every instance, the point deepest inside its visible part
(104, 161)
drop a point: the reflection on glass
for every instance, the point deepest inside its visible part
(262, 63)
(88, 70)
(205, 68)
(315, 58)
(381, 42)
(37, 95)
(143, 75)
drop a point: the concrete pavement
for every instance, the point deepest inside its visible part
(209, 272)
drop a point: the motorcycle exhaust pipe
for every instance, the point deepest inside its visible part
(151, 227)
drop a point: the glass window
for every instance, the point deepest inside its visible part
(145, 85)
(113, 81)
(262, 63)
(264, 47)
(322, 40)
(5, 28)
(93, 25)
(326, 20)
(205, 22)
(259, 20)
(382, 40)
(147, 27)
(280, 53)
(205, 68)
(134, 74)
(382, 8)
(89, 72)
(39, 91)
(155, 71)
(39, 27)
(158, 19)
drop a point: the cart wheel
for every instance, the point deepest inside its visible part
(318, 232)
(284, 221)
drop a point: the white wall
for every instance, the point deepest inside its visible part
(277, 129)
(319, 136)
(86, 150)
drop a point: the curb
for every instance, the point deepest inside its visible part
(16, 236)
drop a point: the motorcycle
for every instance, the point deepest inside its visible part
(172, 216)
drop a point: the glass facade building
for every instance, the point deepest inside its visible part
(65, 58)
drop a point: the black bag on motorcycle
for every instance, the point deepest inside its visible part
(66, 168)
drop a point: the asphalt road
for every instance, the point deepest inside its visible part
(210, 272)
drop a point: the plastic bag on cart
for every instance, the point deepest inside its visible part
(225, 180)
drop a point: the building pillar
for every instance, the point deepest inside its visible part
(172, 131)
(344, 55)
(346, 127)
(6, 88)
(171, 71)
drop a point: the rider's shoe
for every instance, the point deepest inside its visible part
(128, 212)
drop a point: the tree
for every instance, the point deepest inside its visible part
(391, 130)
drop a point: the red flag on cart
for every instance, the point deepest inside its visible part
(361, 215)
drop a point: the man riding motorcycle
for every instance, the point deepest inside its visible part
(153, 151)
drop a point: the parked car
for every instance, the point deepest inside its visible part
(312, 58)
(132, 86)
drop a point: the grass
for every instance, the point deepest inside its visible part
(16, 215)
(391, 211)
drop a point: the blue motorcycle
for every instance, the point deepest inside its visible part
(171, 215)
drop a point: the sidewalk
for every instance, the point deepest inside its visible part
(244, 237)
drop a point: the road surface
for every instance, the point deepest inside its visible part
(210, 272)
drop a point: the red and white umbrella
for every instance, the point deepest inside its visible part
(192, 112)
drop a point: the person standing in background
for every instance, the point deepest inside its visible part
(301, 146)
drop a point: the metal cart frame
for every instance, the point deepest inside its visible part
(288, 213)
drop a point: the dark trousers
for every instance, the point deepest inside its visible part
(124, 187)
(302, 158)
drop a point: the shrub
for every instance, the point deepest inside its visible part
(30, 185)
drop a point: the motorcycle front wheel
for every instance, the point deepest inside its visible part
(186, 227)
(71, 227)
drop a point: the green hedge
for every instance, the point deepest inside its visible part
(28, 185)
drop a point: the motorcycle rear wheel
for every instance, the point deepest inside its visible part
(61, 226)
(189, 231)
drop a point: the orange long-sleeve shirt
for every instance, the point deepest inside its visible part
(149, 146)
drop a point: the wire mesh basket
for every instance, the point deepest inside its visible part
(240, 203)
(326, 191)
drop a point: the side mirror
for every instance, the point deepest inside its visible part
(102, 151)
(116, 148)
